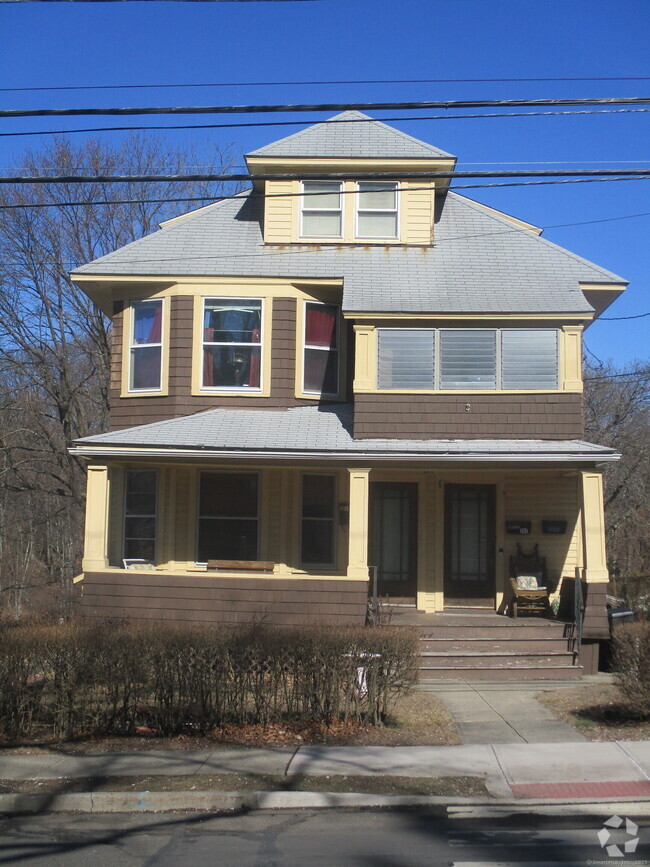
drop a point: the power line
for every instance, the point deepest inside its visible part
(621, 318)
(328, 106)
(313, 83)
(273, 123)
(239, 177)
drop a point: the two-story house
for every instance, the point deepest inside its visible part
(334, 371)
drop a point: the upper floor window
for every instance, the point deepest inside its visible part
(321, 349)
(467, 359)
(145, 354)
(322, 211)
(377, 209)
(232, 343)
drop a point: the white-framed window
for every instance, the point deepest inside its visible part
(468, 359)
(145, 345)
(140, 495)
(228, 516)
(318, 523)
(232, 344)
(320, 369)
(322, 209)
(377, 212)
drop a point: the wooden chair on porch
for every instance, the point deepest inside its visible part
(528, 580)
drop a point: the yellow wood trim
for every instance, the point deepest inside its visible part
(570, 340)
(358, 529)
(166, 518)
(593, 528)
(197, 348)
(96, 525)
(365, 358)
(127, 326)
(403, 319)
(341, 165)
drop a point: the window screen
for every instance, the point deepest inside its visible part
(406, 358)
(529, 358)
(468, 358)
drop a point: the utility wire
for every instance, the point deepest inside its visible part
(273, 123)
(312, 83)
(621, 318)
(328, 106)
(321, 176)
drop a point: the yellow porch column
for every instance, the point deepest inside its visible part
(358, 551)
(593, 528)
(96, 535)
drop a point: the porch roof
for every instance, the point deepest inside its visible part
(317, 432)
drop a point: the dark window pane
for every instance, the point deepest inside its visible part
(147, 321)
(140, 528)
(317, 496)
(321, 371)
(140, 504)
(318, 542)
(320, 325)
(145, 366)
(141, 482)
(228, 495)
(231, 366)
(139, 549)
(224, 539)
(236, 320)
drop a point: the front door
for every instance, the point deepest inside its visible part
(393, 538)
(469, 545)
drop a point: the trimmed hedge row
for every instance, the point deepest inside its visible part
(115, 678)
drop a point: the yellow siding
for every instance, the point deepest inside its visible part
(116, 514)
(536, 497)
(416, 213)
(183, 546)
(278, 213)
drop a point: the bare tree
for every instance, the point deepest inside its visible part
(54, 344)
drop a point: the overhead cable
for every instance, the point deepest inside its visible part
(328, 106)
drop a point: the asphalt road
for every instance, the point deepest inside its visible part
(393, 838)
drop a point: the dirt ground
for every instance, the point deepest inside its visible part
(416, 719)
(597, 712)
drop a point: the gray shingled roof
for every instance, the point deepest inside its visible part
(351, 134)
(480, 262)
(322, 431)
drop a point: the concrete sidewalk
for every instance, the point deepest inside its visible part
(558, 770)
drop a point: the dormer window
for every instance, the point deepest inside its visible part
(377, 209)
(321, 209)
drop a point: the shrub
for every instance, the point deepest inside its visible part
(117, 677)
(631, 665)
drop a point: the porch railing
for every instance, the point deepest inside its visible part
(578, 613)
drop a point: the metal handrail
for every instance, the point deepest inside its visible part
(578, 612)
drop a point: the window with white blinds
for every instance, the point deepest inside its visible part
(321, 209)
(467, 359)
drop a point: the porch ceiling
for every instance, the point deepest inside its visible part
(317, 433)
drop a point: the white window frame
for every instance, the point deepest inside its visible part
(438, 340)
(360, 210)
(133, 346)
(257, 517)
(126, 516)
(305, 199)
(306, 346)
(233, 389)
(326, 566)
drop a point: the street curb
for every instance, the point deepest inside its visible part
(218, 802)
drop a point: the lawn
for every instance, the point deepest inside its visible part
(597, 711)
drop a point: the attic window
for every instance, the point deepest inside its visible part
(321, 209)
(376, 209)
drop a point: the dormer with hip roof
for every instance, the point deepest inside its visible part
(349, 180)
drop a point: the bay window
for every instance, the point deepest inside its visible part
(145, 345)
(321, 209)
(317, 521)
(321, 349)
(376, 209)
(140, 515)
(467, 359)
(232, 343)
(228, 516)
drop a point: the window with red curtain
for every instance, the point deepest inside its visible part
(321, 349)
(232, 343)
(146, 345)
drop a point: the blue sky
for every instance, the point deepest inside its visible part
(137, 43)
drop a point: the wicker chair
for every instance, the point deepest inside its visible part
(528, 580)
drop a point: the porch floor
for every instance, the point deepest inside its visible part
(407, 615)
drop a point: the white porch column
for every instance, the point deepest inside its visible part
(358, 551)
(96, 534)
(593, 528)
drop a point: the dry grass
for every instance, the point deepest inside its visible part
(598, 712)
